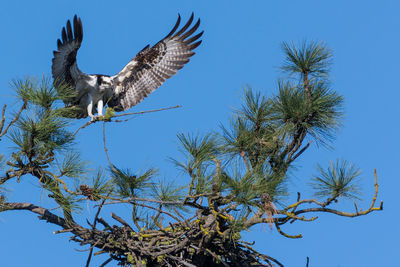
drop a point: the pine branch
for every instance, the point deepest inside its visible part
(45, 214)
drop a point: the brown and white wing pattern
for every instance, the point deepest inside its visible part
(64, 67)
(153, 65)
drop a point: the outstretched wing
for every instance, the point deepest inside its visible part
(64, 67)
(153, 65)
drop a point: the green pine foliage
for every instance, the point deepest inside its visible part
(170, 194)
(266, 133)
(235, 176)
(101, 184)
(130, 185)
(72, 165)
(200, 153)
(110, 112)
(42, 131)
(248, 158)
(320, 115)
(312, 58)
(43, 143)
(338, 180)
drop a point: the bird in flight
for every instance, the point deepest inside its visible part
(141, 76)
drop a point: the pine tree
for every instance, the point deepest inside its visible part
(238, 175)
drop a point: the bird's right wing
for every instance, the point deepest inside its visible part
(64, 67)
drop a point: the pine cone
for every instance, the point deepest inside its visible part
(87, 191)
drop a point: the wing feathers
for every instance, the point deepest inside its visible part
(175, 27)
(192, 30)
(64, 67)
(143, 74)
(194, 38)
(64, 35)
(69, 31)
(186, 26)
(152, 66)
(193, 46)
(78, 30)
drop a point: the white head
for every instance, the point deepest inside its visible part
(104, 82)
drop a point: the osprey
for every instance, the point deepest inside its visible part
(140, 77)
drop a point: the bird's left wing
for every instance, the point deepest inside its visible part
(153, 65)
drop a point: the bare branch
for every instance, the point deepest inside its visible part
(265, 257)
(94, 227)
(146, 111)
(106, 262)
(322, 207)
(159, 210)
(3, 117)
(45, 214)
(121, 115)
(11, 122)
(119, 219)
(286, 235)
(105, 147)
(300, 152)
(84, 126)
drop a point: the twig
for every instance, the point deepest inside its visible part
(247, 243)
(8, 177)
(62, 182)
(120, 115)
(181, 261)
(355, 206)
(146, 111)
(84, 126)
(3, 117)
(94, 227)
(159, 210)
(268, 258)
(62, 231)
(294, 217)
(301, 151)
(120, 220)
(185, 221)
(129, 200)
(286, 235)
(174, 248)
(83, 250)
(243, 155)
(12, 122)
(106, 262)
(105, 147)
(103, 222)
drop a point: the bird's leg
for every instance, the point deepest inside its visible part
(100, 108)
(90, 108)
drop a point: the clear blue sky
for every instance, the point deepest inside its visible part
(241, 46)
